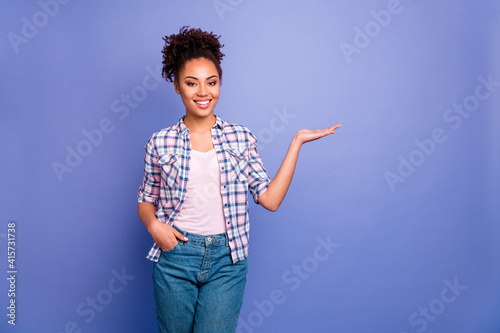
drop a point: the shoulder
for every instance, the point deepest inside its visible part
(168, 132)
(165, 139)
(238, 133)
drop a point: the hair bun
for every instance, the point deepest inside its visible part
(189, 44)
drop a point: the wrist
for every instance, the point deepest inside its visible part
(153, 225)
(297, 141)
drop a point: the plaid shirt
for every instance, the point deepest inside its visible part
(166, 174)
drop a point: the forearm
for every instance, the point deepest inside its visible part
(278, 187)
(147, 214)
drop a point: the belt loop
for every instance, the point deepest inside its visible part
(227, 239)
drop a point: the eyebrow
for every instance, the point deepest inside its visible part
(195, 78)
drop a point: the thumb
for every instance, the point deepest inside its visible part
(180, 236)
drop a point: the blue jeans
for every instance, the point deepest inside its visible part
(197, 288)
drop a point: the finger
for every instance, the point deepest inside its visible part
(334, 127)
(180, 236)
(326, 131)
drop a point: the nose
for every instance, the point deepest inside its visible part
(202, 90)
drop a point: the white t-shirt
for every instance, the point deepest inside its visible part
(202, 211)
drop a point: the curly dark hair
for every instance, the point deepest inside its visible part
(189, 44)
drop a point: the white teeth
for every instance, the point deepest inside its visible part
(203, 103)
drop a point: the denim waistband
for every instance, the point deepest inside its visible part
(205, 240)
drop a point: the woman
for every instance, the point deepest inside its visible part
(193, 199)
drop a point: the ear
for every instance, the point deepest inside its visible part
(176, 87)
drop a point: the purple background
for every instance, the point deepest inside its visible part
(390, 72)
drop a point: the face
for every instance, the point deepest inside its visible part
(199, 86)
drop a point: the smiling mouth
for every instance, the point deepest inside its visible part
(203, 103)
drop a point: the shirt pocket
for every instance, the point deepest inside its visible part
(169, 170)
(237, 165)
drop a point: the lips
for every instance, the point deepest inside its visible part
(203, 103)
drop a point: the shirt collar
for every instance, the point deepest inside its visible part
(219, 122)
(182, 128)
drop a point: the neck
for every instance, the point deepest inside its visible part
(199, 124)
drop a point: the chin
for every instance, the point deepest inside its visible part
(202, 113)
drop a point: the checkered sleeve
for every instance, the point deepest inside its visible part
(258, 179)
(149, 191)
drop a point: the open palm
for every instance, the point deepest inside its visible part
(306, 135)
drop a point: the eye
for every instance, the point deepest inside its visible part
(213, 83)
(190, 84)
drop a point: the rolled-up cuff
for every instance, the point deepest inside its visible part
(145, 198)
(260, 190)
